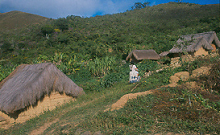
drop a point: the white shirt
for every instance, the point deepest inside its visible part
(134, 68)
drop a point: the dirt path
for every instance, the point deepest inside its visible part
(124, 99)
(43, 128)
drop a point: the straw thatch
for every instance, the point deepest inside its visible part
(29, 83)
(193, 42)
(193, 46)
(143, 54)
(164, 54)
(208, 36)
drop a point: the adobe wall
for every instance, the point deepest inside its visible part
(214, 47)
(48, 103)
(201, 51)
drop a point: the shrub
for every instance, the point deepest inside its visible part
(119, 74)
(62, 24)
(147, 65)
(212, 80)
(21, 45)
(63, 38)
(47, 29)
(6, 46)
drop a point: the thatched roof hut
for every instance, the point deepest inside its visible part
(210, 37)
(193, 46)
(137, 55)
(194, 42)
(29, 83)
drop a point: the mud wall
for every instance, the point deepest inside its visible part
(47, 103)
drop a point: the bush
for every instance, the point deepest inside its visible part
(62, 24)
(21, 45)
(6, 46)
(147, 65)
(119, 74)
(212, 80)
(63, 38)
(47, 29)
(110, 79)
(81, 75)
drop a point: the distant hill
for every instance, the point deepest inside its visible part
(17, 19)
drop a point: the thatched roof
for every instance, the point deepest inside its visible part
(191, 43)
(164, 54)
(143, 54)
(208, 36)
(29, 83)
(192, 47)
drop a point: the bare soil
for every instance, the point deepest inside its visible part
(48, 103)
(43, 128)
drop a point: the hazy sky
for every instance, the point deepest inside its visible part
(85, 8)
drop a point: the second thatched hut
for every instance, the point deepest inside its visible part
(138, 55)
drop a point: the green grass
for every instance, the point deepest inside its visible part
(168, 110)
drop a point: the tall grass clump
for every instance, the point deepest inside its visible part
(102, 66)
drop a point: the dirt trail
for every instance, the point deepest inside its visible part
(42, 128)
(124, 99)
(184, 76)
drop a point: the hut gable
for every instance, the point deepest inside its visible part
(194, 42)
(210, 37)
(137, 55)
(190, 46)
(29, 83)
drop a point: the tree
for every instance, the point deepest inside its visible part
(63, 38)
(139, 5)
(62, 24)
(47, 29)
(146, 4)
(179, 1)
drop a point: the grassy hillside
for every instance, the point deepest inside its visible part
(91, 52)
(16, 20)
(181, 109)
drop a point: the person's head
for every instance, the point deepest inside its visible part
(132, 62)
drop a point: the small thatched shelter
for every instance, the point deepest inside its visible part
(28, 85)
(138, 55)
(196, 44)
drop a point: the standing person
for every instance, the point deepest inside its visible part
(134, 75)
